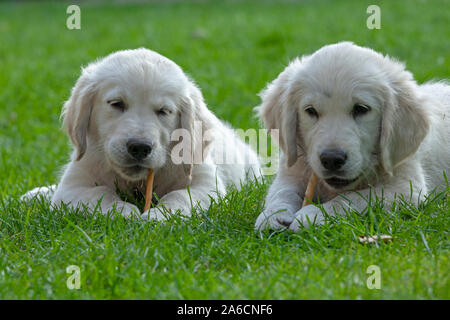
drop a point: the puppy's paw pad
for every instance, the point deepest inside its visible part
(306, 217)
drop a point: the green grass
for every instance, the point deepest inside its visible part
(232, 49)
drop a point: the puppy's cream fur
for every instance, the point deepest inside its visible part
(159, 99)
(402, 141)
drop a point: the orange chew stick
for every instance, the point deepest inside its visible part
(149, 190)
(309, 194)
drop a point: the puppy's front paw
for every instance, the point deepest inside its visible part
(307, 216)
(36, 193)
(274, 219)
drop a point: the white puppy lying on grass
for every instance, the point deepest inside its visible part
(120, 118)
(359, 121)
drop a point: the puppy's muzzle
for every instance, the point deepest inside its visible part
(139, 149)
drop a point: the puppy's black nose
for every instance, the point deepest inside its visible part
(333, 159)
(139, 149)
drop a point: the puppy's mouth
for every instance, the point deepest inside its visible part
(339, 183)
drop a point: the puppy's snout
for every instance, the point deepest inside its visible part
(139, 149)
(333, 159)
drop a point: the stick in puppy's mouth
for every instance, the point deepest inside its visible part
(149, 190)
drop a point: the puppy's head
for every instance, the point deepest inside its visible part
(124, 108)
(348, 110)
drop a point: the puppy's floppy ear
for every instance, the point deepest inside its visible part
(279, 111)
(77, 112)
(197, 120)
(405, 121)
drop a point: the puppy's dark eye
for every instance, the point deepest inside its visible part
(311, 112)
(163, 112)
(359, 110)
(117, 104)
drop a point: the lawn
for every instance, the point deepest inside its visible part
(232, 49)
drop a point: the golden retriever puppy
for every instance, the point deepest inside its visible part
(360, 122)
(135, 110)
